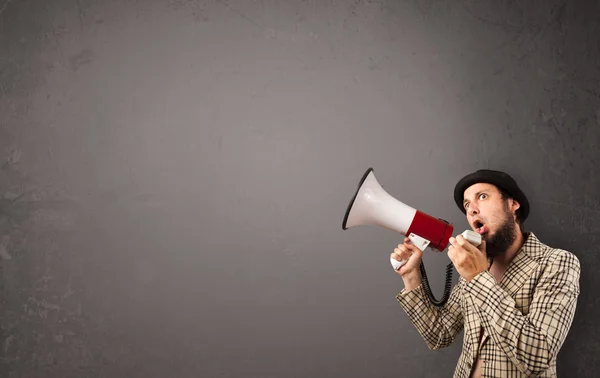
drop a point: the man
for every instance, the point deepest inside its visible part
(515, 296)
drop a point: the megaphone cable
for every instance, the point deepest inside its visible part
(447, 286)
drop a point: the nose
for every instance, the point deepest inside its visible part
(472, 210)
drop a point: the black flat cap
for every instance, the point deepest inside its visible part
(498, 178)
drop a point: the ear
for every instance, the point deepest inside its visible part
(514, 205)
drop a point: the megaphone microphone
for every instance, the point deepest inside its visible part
(372, 205)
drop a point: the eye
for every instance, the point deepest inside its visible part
(482, 196)
(466, 205)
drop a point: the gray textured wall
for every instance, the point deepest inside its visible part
(174, 175)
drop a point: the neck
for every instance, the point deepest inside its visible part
(510, 254)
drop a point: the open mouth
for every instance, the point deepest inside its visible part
(479, 227)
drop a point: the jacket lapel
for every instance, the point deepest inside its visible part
(522, 266)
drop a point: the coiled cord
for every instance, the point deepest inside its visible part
(447, 286)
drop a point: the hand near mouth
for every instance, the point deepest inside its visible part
(468, 260)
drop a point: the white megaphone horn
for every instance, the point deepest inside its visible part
(372, 205)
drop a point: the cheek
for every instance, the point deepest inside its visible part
(493, 214)
(496, 221)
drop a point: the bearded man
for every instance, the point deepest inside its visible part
(516, 296)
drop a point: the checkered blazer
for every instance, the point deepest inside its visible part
(523, 320)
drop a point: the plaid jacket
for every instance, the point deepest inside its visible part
(523, 320)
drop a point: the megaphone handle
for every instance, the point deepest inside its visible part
(418, 241)
(397, 264)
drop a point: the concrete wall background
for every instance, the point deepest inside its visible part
(174, 175)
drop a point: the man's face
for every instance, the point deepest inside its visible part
(491, 216)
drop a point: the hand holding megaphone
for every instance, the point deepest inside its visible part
(421, 243)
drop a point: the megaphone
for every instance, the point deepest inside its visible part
(372, 205)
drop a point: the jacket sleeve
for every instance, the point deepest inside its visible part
(437, 326)
(530, 341)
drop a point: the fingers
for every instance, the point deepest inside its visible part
(451, 249)
(411, 247)
(401, 253)
(460, 248)
(454, 249)
(453, 241)
(405, 251)
(452, 246)
(460, 240)
(462, 243)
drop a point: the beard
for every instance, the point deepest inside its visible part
(505, 236)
